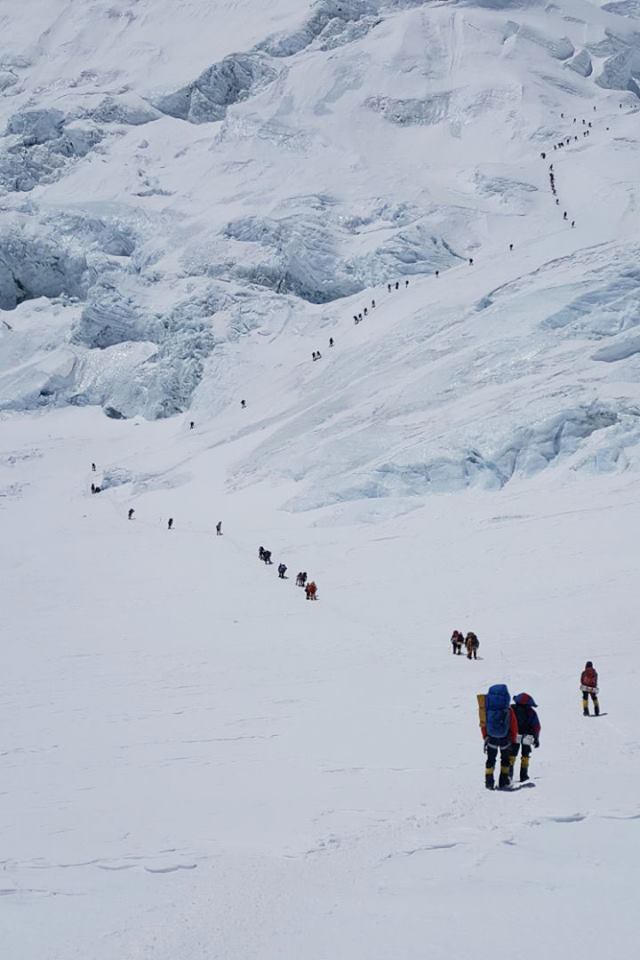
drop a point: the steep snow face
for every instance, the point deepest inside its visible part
(177, 178)
(441, 201)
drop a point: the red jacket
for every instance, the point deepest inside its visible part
(589, 677)
(513, 727)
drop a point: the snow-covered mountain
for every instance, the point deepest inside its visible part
(195, 197)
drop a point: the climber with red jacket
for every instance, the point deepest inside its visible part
(589, 687)
(528, 731)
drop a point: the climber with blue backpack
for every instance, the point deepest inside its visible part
(499, 728)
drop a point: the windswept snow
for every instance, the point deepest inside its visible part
(194, 198)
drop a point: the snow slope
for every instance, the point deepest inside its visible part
(194, 197)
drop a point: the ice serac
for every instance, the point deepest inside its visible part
(214, 91)
(37, 264)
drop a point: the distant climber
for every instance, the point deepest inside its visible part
(191, 424)
(260, 553)
(457, 640)
(470, 261)
(437, 273)
(499, 728)
(471, 643)
(365, 311)
(170, 523)
(93, 488)
(219, 528)
(573, 223)
(373, 304)
(397, 284)
(589, 687)
(359, 318)
(282, 569)
(388, 288)
(311, 590)
(93, 467)
(318, 355)
(544, 156)
(301, 579)
(406, 284)
(510, 247)
(528, 731)
(330, 341)
(355, 318)
(243, 404)
(130, 513)
(564, 215)
(266, 556)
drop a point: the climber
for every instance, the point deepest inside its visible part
(282, 569)
(330, 341)
(471, 643)
(93, 467)
(311, 590)
(191, 424)
(243, 404)
(130, 514)
(170, 523)
(589, 687)
(457, 639)
(219, 528)
(373, 304)
(528, 731)
(499, 728)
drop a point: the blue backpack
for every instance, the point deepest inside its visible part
(497, 705)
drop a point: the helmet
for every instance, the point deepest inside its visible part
(588, 664)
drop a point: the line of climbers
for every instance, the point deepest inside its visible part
(131, 514)
(310, 587)
(470, 643)
(512, 729)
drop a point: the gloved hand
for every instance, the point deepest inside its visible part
(536, 743)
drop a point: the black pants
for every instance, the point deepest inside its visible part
(506, 763)
(585, 701)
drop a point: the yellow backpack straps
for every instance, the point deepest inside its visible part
(482, 709)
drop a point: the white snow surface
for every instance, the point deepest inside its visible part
(194, 196)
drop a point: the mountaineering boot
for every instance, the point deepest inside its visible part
(585, 712)
(524, 769)
(585, 706)
(505, 777)
(489, 782)
(596, 708)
